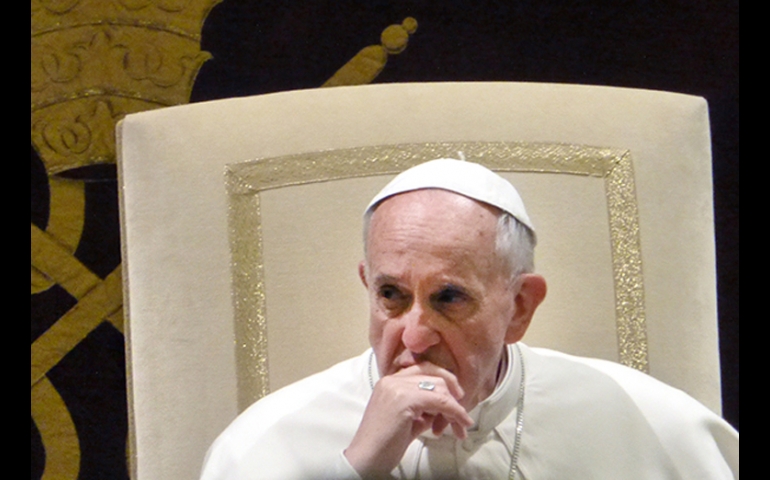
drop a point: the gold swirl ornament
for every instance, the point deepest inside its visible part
(93, 62)
(369, 62)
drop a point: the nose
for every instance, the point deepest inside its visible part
(419, 333)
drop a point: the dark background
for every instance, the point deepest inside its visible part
(267, 46)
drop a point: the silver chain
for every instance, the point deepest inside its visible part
(369, 370)
(515, 473)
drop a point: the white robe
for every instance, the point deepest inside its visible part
(581, 419)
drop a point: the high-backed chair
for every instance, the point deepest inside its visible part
(242, 234)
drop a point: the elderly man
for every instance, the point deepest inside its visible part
(447, 390)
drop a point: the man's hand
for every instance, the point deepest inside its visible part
(399, 411)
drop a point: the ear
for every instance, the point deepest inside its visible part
(529, 294)
(362, 273)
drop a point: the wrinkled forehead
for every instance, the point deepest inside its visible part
(436, 216)
(433, 200)
(433, 232)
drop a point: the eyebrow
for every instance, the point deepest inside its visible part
(383, 279)
(453, 286)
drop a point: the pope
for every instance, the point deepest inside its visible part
(448, 390)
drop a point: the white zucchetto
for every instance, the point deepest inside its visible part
(466, 178)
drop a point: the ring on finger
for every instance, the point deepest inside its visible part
(426, 385)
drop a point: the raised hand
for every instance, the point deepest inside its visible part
(400, 410)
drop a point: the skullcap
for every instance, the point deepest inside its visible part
(466, 178)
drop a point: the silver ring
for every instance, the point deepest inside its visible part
(426, 385)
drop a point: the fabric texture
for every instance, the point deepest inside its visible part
(582, 418)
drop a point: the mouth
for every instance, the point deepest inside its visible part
(402, 364)
(437, 357)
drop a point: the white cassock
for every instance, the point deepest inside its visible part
(577, 418)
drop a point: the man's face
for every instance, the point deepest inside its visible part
(437, 291)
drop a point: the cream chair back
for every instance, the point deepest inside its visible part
(242, 234)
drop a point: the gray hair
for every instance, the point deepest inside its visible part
(514, 243)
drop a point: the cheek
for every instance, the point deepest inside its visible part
(385, 340)
(375, 331)
(479, 349)
(481, 341)
(382, 334)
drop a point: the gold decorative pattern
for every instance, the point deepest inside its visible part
(93, 62)
(57, 431)
(98, 300)
(57, 263)
(65, 222)
(116, 318)
(248, 299)
(91, 310)
(246, 180)
(369, 62)
(183, 17)
(627, 263)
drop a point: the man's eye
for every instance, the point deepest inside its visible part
(392, 300)
(449, 296)
(391, 293)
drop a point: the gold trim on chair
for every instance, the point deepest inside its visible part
(246, 180)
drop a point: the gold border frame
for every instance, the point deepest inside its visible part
(245, 180)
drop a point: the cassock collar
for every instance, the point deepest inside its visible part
(493, 410)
